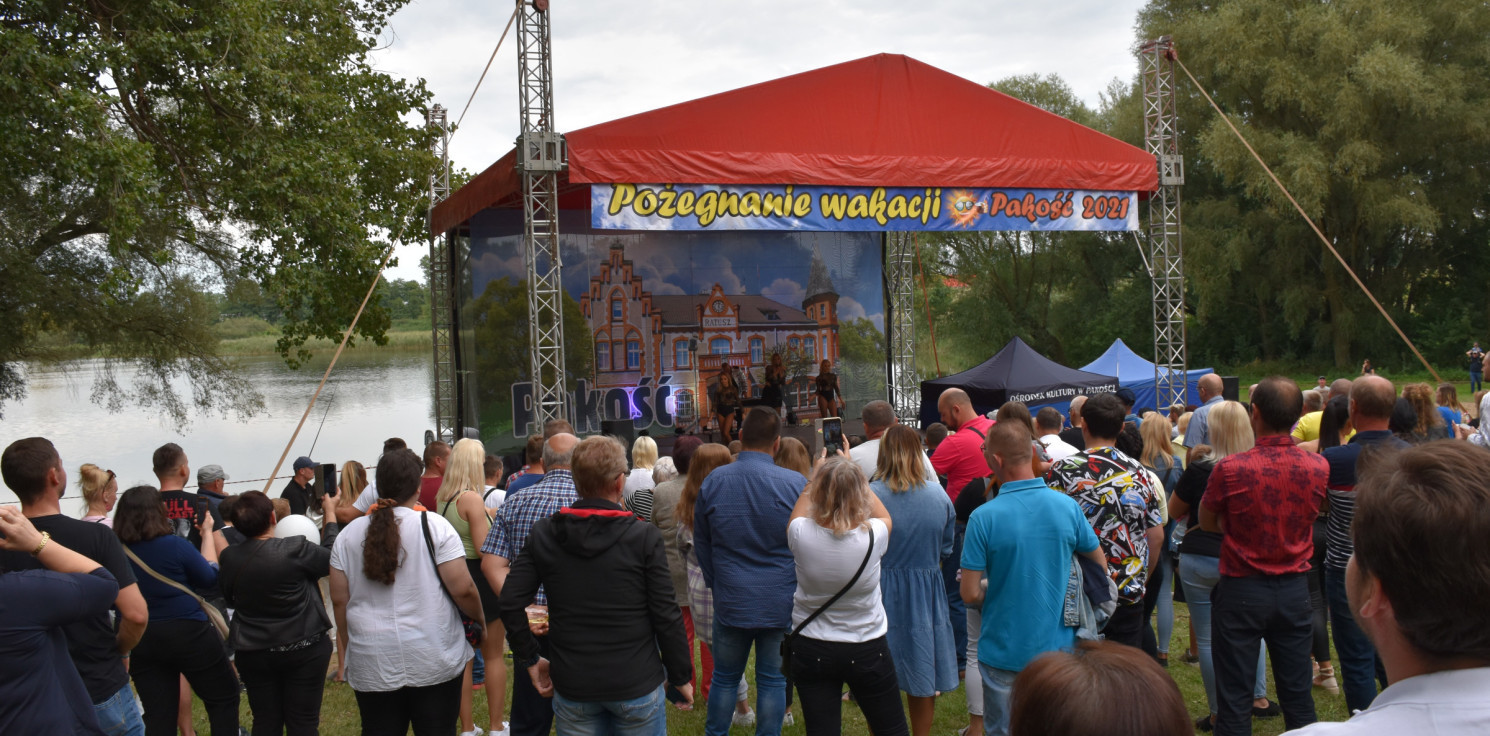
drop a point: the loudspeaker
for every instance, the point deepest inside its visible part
(1231, 388)
(807, 435)
(621, 429)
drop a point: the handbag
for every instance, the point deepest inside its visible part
(472, 628)
(786, 642)
(214, 616)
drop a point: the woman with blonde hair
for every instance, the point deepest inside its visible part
(100, 491)
(704, 461)
(1200, 553)
(920, 628)
(460, 502)
(1158, 458)
(838, 533)
(792, 455)
(643, 458)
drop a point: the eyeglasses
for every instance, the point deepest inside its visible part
(110, 478)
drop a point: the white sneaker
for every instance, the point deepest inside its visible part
(473, 732)
(743, 720)
(494, 732)
(788, 720)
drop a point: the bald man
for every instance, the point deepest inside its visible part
(960, 457)
(1372, 399)
(1199, 432)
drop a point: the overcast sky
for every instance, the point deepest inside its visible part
(614, 58)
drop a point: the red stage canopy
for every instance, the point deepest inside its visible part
(885, 120)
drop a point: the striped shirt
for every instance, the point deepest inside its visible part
(1341, 491)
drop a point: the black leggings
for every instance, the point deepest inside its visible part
(1317, 599)
(285, 688)
(179, 647)
(432, 710)
(821, 668)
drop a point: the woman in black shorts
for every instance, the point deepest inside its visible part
(829, 398)
(726, 401)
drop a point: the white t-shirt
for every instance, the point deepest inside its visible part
(824, 564)
(638, 479)
(494, 497)
(1058, 448)
(297, 525)
(368, 498)
(407, 634)
(867, 456)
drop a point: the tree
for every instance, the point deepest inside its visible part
(1372, 114)
(151, 149)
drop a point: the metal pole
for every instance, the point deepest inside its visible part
(1165, 253)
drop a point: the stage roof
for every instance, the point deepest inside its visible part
(885, 120)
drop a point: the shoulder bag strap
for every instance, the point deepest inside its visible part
(214, 616)
(975, 431)
(429, 543)
(867, 554)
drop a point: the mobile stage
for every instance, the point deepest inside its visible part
(775, 218)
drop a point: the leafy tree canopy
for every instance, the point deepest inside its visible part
(150, 149)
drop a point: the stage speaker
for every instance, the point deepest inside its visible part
(623, 430)
(1231, 388)
(807, 435)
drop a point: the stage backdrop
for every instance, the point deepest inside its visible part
(649, 317)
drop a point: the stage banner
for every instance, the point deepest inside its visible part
(856, 209)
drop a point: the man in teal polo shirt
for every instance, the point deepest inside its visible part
(1022, 541)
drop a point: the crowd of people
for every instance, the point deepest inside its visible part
(1035, 563)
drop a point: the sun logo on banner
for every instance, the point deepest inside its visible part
(964, 208)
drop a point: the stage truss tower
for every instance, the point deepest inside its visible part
(1162, 246)
(441, 296)
(541, 156)
(905, 389)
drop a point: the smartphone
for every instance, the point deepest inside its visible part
(325, 479)
(833, 435)
(199, 507)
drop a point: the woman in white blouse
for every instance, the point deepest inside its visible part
(406, 646)
(831, 529)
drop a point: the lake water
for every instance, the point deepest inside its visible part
(370, 397)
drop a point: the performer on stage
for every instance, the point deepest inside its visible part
(774, 390)
(726, 401)
(829, 397)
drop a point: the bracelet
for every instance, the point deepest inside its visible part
(45, 537)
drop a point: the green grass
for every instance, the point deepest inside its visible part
(339, 715)
(264, 344)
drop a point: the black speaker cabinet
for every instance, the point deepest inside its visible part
(623, 430)
(1231, 388)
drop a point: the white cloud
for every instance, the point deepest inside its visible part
(785, 291)
(850, 309)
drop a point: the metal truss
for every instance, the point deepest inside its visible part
(541, 156)
(905, 388)
(1165, 255)
(441, 292)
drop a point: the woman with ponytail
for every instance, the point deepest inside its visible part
(398, 604)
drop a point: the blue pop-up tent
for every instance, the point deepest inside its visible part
(1016, 373)
(1137, 374)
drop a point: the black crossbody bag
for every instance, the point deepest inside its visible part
(786, 643)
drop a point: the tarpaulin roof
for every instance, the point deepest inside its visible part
(1016, 373)
(1136, 373)
(885, 120)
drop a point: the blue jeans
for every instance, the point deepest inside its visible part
(997, 684)
(1199, 574)
(1475, 380)
(956, 609)
(1359, 664)
(644, 716)
(120, 715)
(478, 668)
(731, 652)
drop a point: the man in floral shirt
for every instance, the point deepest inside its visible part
(1116, 496)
